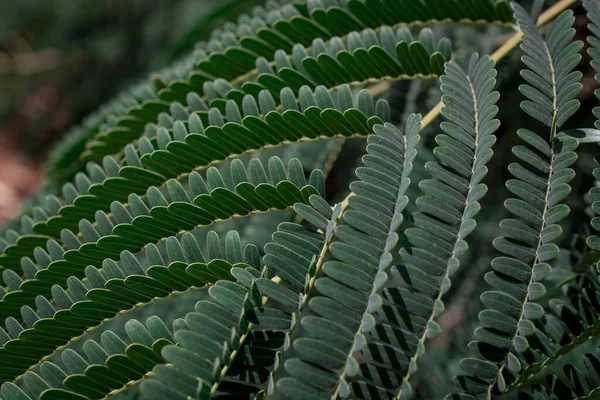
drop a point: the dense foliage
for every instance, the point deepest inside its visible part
(61, 59)
(272, 216)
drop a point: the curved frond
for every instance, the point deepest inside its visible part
(162, 218)
(191, 147)
(104, 368)
(113, 290)
(579, 384)
(234, 336)
(318, 23)
(447, 211)
(352, 278)
(570, 320)
(542, 182)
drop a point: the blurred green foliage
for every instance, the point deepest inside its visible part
(61, 59)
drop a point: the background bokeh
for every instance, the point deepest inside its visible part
(61, 59)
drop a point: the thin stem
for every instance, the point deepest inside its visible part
(507, 47)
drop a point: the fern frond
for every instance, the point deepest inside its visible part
(348, 284)
(66, 316)
(376, 333)
(580, 385)
(416, 50)
(190, 147)
(104, 367)
(314, 116)
(245, 317)
(162, 218)
(569, 321)
(231, 110)
(365, 57)
(541, 183)
(447, 212)
(318, 23)
(121, 212)
(552, 83)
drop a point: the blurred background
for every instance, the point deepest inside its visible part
(62, 59)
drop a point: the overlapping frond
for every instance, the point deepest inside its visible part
(104, 368)
(352, 120)
(315, 115)
(343, 300)
(593, 10)
(188, 147)
(159, 219)
(207, 141)
(233, 337)
(541, 183)
(579, 384)
(340, 319)
(115, 289)
(414, 57)
(300, 25)
(424, 57)
(364, 57)
(105, 293)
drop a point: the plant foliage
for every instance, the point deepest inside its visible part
(213, 187)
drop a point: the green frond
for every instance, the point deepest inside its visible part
(570, 320)
(447, 211)
(552, 83)
(160, 218)
(280, 31)
(106, 293)
(361, 58)
(55, 265)
(508, 324)
(188, 147)
(321, 117)
(573, 318)
(356, 57)
(351, 283)
(579, 384)
(234, 336)
(104, 368)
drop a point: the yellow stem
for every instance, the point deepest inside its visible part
(507, 47)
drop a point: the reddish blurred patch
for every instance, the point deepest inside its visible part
(18, 178)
